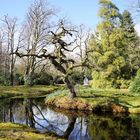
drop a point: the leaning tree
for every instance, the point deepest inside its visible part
(61, 51)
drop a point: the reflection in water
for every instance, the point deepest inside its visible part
(69, 125)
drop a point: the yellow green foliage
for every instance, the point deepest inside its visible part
(135, 85)
(114, 46)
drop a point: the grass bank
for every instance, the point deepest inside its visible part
(25, 91)
(97, 100)
(9, 131)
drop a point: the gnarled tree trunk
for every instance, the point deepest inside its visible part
(70, 87)
(68, 82)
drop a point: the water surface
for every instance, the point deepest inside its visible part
(71, 125)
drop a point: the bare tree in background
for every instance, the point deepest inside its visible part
(11, 43)
(4, 58)
(1, 52)
(82, 38)
(36, 28)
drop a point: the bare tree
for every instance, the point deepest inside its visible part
(62, 45)
(55, 44)
(35, 36)
(59, 56)
(82, 38)
(10, 44)
(1, 53)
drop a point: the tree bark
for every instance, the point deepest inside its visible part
(68, 82)
(12, 73)
(70, 87)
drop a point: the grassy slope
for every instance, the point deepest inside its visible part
(92, 99)
(9, 131)
(24, 91)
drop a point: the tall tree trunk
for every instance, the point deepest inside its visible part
(11, 79)
(68, 82)
(12, 74)
(12, 68)
(28, 80)
(28, 77)
(70, 87)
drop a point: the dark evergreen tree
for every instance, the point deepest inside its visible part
(131, 43)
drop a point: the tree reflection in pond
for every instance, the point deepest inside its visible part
(69, 124)
(115, 127)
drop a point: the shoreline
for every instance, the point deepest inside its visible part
(96, 101)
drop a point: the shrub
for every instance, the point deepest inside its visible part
(77, 77)
(4, 80)
(101, 80)
(43, 79)
(18, 79)
(58, 80)
(135, 85)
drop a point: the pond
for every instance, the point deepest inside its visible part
(71, 125)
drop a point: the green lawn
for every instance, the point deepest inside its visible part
(90, 99)
(25, 91)
(87, 98)
(9, 131)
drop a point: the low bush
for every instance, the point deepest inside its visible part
(135, 85)
(43, 79)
